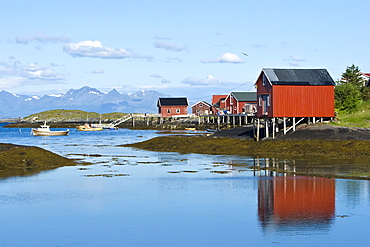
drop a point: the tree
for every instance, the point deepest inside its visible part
(353, 76)
(348, 97)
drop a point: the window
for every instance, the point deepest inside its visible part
(263, 79)
(200, 105)
(260, 100)
(168, 110)
(177, 110)
(268, 100)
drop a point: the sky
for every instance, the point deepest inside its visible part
(179, 48)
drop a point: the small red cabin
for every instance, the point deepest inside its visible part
(201, 108)
(295, 93)
(168, 107)
(241, 102)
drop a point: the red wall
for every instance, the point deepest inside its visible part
(164, 113)
(302, 101)
(296, 101)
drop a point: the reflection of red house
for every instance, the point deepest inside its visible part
(201, 108)
(241, 102)
(292, 199)
(168, 107)
(295, 93)
(218, 103)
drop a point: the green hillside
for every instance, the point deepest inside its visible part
(72, 116)
(359, 118)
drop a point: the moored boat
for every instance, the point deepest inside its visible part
(44, 130)
(87, 127)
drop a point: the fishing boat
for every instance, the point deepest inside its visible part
(44, 130)
(190, 129)
(87, 127)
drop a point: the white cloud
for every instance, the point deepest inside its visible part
(294, 61)
(97, 71)
(156, 76)
(14, 74)
(225, 58)
(168, 46)
(94, 49)
(165, 81)
(210, 80)
(41, 38)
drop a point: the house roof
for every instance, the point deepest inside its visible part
(244, 96)
(172, 101)
(202, 102)
(217, 98)
(314, 77)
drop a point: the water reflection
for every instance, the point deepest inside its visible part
(293, 203)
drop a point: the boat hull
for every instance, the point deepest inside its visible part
(89, 129)
(36, 132)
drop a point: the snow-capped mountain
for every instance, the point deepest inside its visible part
(85, 98)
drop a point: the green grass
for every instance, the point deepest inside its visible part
(360, 119)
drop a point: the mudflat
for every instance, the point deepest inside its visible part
(315, 142)
(17, 160)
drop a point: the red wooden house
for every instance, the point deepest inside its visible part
(168, 107)
(295, 93)
(241, 102)
(201, 108)
(218, 103)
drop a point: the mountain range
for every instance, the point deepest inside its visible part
(85, 99)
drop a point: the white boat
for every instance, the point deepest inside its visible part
(44, 130)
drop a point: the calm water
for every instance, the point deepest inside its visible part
(130, 197)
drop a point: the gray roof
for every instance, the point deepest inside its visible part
(172, 101)
(245, 96)
(317, 77)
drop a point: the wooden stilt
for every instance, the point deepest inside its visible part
(267, 127)
(273, 128)
(293, 123)
(284, 122)
(258, 129)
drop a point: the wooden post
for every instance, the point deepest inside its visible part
(284, 121)
(258, 129)
(133, 122)
(293, 123)
(267, 126)
(254, 127)
(273, 128)
(240, 120)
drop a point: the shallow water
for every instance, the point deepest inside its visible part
(132, 197)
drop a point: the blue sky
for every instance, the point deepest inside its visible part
(180, 48)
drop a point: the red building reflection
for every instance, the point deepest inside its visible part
(296, 200)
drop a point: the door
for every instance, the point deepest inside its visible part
(265, 104)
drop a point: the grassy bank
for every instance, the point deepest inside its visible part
(360, 118)
(16, 160)
(272, 148)
(340, 159)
